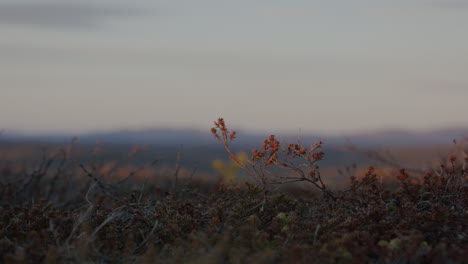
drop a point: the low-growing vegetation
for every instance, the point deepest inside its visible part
(65, 212)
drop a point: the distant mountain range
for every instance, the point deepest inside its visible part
(175, 137)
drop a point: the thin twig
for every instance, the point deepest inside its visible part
(316, 233)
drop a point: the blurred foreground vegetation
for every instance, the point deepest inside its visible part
(60, 210)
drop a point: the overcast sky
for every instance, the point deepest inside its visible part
(319, 66)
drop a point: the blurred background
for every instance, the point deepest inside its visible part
(381, 74)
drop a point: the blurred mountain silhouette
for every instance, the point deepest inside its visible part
(191, 137)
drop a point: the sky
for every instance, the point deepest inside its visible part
(315, 66)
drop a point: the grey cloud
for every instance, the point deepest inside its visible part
(59, 15)
(452, 4)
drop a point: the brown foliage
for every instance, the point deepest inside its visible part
(422, 220)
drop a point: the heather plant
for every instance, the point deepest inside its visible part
(295, 158)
